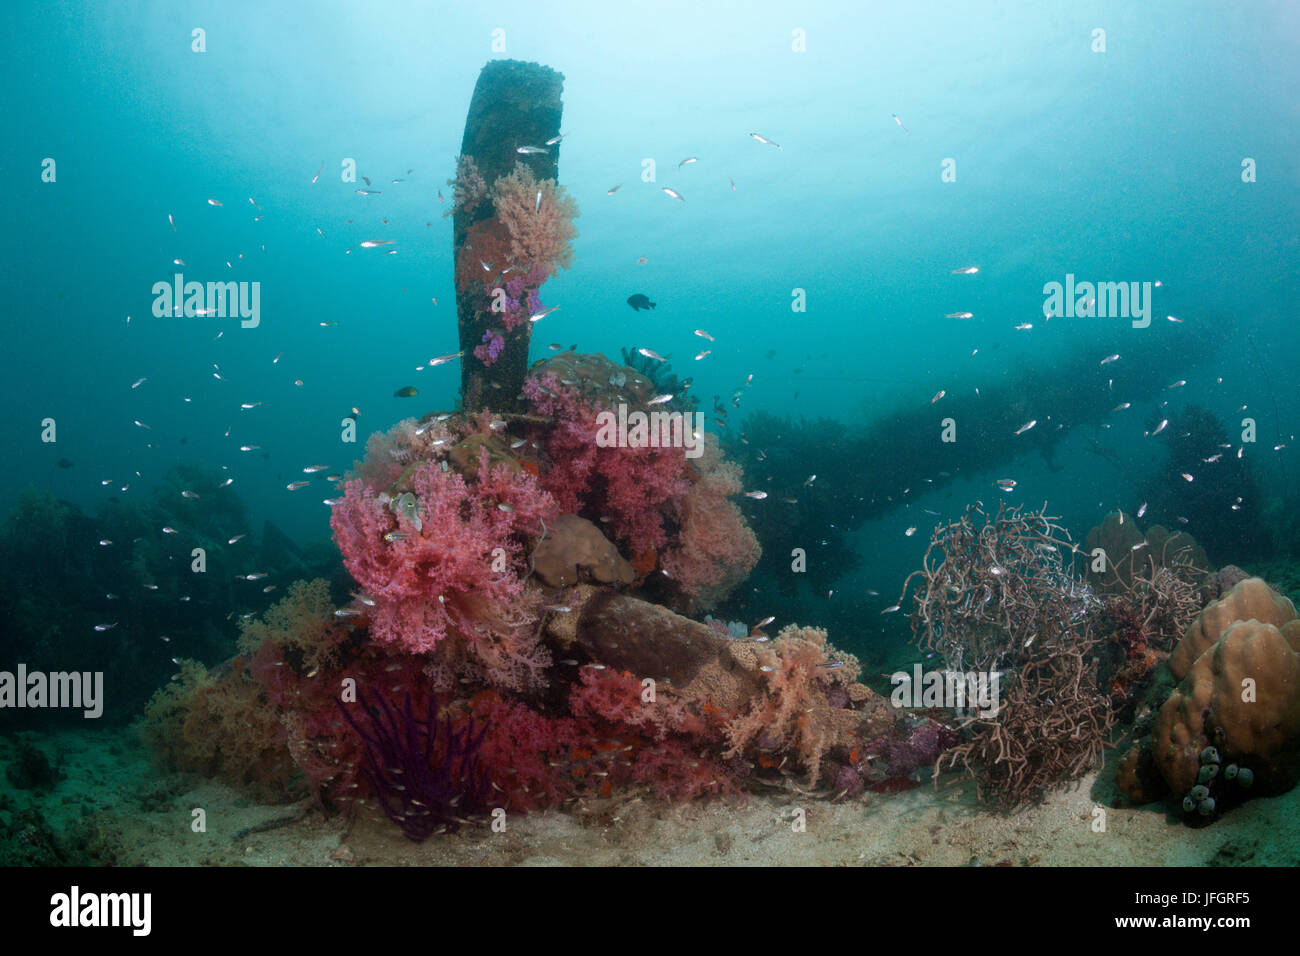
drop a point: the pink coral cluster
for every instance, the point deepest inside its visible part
(630, 487)
(457, 564)
(715, 549)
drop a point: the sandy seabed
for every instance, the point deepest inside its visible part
(145, 819)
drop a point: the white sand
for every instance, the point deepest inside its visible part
(149, 817)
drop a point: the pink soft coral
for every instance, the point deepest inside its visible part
(715, 549)
(462, 568)
(628, 486)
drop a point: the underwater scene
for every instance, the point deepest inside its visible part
(578, 434)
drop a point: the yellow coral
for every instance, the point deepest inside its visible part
(304, 620)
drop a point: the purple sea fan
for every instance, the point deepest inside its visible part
(425, 781)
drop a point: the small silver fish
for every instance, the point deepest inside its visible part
(651, 354)
(756, 495)
(764, 140)
(687, 161)
(296, 485)
(1026, 426)
(530, 150)
(960, 315)
(674, 193)
(1110, 358)
(660, 399)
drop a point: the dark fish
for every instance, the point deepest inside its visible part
(639, 302)
(407, 391)
(64, 463)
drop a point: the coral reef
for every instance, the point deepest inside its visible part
(1231, 727)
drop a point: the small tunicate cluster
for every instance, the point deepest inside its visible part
(1199, 799)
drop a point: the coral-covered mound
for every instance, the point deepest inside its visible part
(1231, 728)
(663, 495)
(510, 643)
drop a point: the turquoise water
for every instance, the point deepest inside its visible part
(1122, 166)
(1153, 144)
